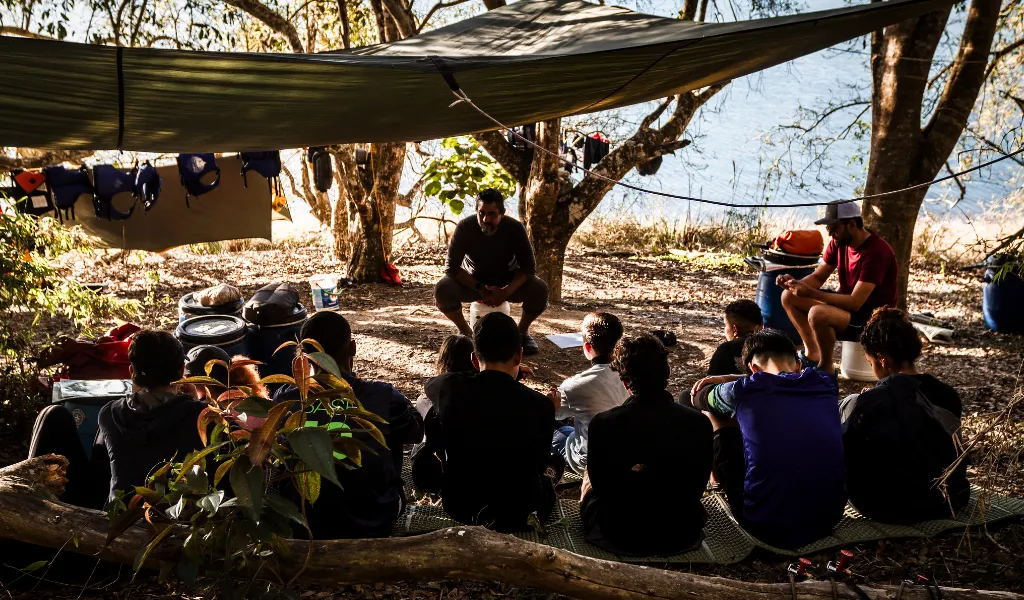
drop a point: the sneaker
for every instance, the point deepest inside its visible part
(530, 346)
(806, 363)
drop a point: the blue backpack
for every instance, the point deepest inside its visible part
(147, 185)
(267, 164)
(192, 168)
(109, 182)
(64, 186)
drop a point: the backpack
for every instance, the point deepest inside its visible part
(109, 182)
(272, 304)
(192, 168)
(267, 164)
(323, 170)
(147, 185)
(28, 193)
(64, 187)
(650, 167)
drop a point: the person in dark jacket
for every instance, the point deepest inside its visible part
(496, 435)
(156, 423)
(902, 436)
(649, 461)
(490, 260)
(370, 498)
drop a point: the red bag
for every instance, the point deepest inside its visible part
(389, 273)
(103, 358)
(802, 242)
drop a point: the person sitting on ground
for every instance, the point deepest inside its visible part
(195, 366)
(590, 392)
(490, 260)
(496, 435)
(370, 497)
(778, 443)
(902, 435)
(156, 423)
(648, 462)
(742, 318)
(867, 272)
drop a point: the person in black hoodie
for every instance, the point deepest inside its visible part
(156, 423)
(648, 461)
(901, 436)
(370, 497)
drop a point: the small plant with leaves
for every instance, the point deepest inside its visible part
(232, 504)
(462, 170)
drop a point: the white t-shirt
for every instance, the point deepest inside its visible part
(584, 395)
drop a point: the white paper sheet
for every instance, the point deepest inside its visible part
(566, 340)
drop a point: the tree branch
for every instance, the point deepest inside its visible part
(961, 91)
(25, 33)
(1002, 53)
(435, 8)
(402, 15)
(656, 114)
(516, 162)
(271, 19)
(346, 35)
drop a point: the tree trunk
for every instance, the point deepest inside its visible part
(29, 513)
(545, 219)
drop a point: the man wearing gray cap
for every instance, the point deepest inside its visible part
(866, 268)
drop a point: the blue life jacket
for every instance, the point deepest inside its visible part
(267, 164)
(147, 185)
(109, 182)
(64, 187)
(192, 168)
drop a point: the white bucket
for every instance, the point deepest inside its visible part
(855, 365)
(479, 309)
(323, 288)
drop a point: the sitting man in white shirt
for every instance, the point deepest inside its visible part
(590, 392)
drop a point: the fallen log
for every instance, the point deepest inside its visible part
(30, 513)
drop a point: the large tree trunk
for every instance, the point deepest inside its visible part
(544, 219)
(29, 513)
(902, 152)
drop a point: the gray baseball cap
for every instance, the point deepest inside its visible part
(836, 212)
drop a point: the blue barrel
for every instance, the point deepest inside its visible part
(769, 299)
(85, 398)
(189, 308)
(1002, 300)
(264, 339)
(224, 331)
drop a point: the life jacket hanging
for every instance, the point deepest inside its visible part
(64, 187)
(192, 168)
(147, 185)
(109, 182)
(323, 170)
(28, 192)
(267, 164)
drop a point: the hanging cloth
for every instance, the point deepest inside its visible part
(267, 164)
(595, 147)
(65, 186)
(147, 185)
(192, 168)
(109, 182)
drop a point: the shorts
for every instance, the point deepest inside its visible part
(858, 319)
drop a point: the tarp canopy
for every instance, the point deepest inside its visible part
(529, 61)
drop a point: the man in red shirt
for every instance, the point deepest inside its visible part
(866, 268)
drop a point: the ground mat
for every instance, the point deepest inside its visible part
(725, 542)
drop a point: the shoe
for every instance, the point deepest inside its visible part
(806, 363)
(530, 346)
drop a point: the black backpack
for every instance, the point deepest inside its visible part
(272, 304)
(323, 170)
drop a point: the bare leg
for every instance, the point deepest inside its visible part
(459, 320)
(798, 308)
(525, 321)
(826, 321)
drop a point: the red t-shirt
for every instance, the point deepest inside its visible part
(873, 262)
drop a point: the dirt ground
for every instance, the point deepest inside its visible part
(398, 332)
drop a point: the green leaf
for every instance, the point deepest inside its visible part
(143, 555)
(193, 458)
(447, 195)
(254, 406)
(433, 188)
(39, 564)
(308, 483)
(212, 502)
(247, 484)
(285, 508)
(457, 206)
(175, 511)
(325, 362)
(313, 447)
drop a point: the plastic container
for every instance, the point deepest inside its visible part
(324, 290)
(189, 308)
(479, 309)
(264, 339)
(854, 365)
(769, 299)
(224, 331)
(85, 399)
(1001, 303)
